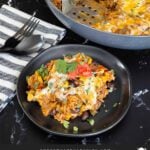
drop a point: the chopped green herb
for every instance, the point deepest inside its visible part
(66, 124)
(115, 104)
(71, 66)
(43, 71)
(87, 90)
(41, 68)
(46, 71)
(36, 84)
(64, 67)
(42, 74)
(91, 121)
(50, 85)
(75, 129)
(61, 66)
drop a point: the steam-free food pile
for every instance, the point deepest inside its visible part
(70, 87)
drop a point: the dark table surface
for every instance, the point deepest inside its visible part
(16, 129)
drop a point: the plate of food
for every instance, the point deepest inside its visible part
(75, 90)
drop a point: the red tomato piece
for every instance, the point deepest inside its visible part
(72, 75)
(87, 74)
(82, 70)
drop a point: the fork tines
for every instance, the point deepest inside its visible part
(27, 29)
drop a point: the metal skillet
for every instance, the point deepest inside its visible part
(125, 42)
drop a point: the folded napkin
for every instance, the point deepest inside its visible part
(11, 65)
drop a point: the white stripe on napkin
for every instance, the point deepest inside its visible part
(3, 96)
(6, 31)
(48, 35)
(9, 71)
(2, 41)
(13, 59)
(33, 55)
(8, 84)
(11, 20)
(24, 15)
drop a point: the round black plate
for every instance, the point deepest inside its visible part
(105, 119)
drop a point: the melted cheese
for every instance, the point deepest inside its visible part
(56, 85)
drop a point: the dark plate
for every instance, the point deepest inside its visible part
(106, 118)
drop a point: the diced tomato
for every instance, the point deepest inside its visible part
(73, 75)
(82, 70)
(87, 74)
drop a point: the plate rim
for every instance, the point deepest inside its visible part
(80, 135)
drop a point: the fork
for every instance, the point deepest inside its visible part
(26, 30)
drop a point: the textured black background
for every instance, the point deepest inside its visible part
(16, 129)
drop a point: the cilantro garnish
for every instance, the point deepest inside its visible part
(87, 90)
(64, 67)
(71, 66)
(43, 71)
(61, 66)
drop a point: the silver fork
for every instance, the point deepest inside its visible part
(26, 30)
